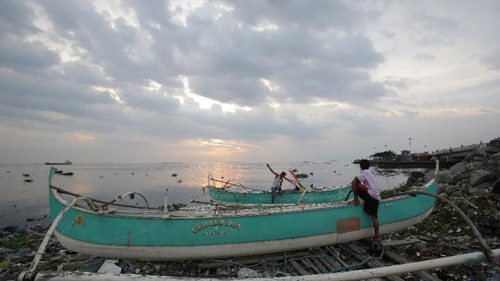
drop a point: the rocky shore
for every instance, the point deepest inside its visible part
(473, 185)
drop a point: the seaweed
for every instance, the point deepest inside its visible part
(18, 242)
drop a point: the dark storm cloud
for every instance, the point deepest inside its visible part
(84, 73)
(26, 56)
(48, 93)
(307, 63)
(315, 52)
(103, 44)
(317, 14)
(138, 97)
(16, 17)
(309, 70)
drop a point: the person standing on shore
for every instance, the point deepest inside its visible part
(277, 182)
(365, 186)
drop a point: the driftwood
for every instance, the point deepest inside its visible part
(299, 268)
(422, 274)
(251, 260)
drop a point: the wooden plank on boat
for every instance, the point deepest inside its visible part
(361, 255)
(299, 268)
(422, 274)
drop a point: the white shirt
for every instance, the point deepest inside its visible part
(368, 178)
(276, 182)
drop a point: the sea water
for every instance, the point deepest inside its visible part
(24, 187)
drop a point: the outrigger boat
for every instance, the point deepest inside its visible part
(105, 229)
(222, 191)
(221, 232)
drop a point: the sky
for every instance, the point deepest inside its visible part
(259, 81)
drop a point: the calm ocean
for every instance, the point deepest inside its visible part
(23, 203)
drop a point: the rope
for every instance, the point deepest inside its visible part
(286, 265)
(286, 260)
(226, 183)
(60, 190)
(349, 267)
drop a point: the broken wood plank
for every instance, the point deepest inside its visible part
(398, 259)
(336, 255)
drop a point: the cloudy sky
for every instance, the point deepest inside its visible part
(157, 81)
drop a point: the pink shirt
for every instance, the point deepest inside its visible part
(368, 178)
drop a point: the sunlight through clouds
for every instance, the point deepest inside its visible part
(84, 137)
(111, 92)
(225, 147)
(207, 103)
(244, 80)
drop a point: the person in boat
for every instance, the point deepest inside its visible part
(277, 183)
(365, 186)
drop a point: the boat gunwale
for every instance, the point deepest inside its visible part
(259, 191)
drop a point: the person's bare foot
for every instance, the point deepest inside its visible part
(376, 239)
(354, 202)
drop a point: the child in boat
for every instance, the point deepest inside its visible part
(365, 186)
(278, 181)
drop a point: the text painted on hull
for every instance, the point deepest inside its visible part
(215, 224)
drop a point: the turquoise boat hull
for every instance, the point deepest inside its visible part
(249, 196)
(221, 231)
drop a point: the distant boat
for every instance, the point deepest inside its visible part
(99, 228)
(56, 163)
(412, 163)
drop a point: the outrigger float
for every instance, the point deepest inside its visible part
(114, 230)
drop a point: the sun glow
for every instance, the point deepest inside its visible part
(207, 103)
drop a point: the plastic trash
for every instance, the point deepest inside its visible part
(109, 266)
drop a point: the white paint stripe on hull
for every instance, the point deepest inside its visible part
(153, 253)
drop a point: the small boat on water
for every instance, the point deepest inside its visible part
(114, 230)
(233, 193)
(67, 162)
